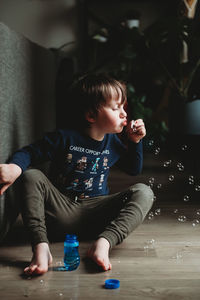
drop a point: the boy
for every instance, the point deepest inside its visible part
(78, 199)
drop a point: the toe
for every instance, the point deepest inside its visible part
(26, 270)
(102, 263)
(29, 270)
(40, 270)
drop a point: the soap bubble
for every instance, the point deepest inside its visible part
(158, 212)
(150, 243)
(159, 185)
(41, 281)
(195, 222)
(151, 180)
(191, 179)
(180, 166)
(198, 212)
(197, 188)
(171, 177)
(151, 215)
(184, 147)
(167, 163)
(125, 199)
(60, 294)
(175, 211)
(151, 142)
(157, 151)
(178, 255)
(186, 198)
(182, 219)
(191, 182)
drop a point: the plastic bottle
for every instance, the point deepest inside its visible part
(71, 254)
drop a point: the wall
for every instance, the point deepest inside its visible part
(50, 23)
(111, 12)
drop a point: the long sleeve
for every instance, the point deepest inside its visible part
(38, 152)
(131, 160)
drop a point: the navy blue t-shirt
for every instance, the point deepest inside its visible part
(79, 163)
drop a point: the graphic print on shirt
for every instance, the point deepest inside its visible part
(69, 158)
(82, 163)
(95, 164)
(105, 163)
(75, 183)
(101, 181)
(83, 196)
(88, 183)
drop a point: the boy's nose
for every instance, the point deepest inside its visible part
(123, 113)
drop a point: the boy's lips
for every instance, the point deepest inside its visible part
(124, 123)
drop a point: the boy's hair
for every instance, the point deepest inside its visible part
(91, 92)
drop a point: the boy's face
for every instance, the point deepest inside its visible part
(111, 117)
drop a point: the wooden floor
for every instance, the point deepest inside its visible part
(159, 260)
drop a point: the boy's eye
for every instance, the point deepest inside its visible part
(117, 107)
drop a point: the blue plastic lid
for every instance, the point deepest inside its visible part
(112, 284)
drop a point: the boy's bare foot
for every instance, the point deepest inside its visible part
(99, 252)
(41, 259)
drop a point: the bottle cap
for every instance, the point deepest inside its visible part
(112, 284)
(71, 240)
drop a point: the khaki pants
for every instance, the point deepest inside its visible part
(112, 216)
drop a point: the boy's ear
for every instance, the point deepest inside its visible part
(90, 117)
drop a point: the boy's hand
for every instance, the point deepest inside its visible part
(8, 174)
(136, 130)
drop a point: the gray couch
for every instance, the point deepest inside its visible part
(27, 104)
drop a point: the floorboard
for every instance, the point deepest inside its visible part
(159, 260)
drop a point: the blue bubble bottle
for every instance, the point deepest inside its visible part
(71, 254)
